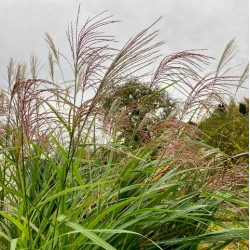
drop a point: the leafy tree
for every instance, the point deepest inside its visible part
(228, 128)
(139, 106)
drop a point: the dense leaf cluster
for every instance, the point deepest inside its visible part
(140, 106)
(228, 128)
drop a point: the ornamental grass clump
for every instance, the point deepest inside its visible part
(69, 182)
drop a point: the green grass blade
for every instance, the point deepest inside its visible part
(93, 237)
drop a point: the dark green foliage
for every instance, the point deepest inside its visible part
(140, 106)
(221, 107)
(228, 129)
(242, 108)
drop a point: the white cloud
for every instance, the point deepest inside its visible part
(189, 24)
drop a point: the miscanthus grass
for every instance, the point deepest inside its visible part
(63, 188)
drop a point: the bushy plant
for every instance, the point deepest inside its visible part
(228, 128)
(63, 188)
(140, 107)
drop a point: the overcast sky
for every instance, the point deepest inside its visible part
(186, 24)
